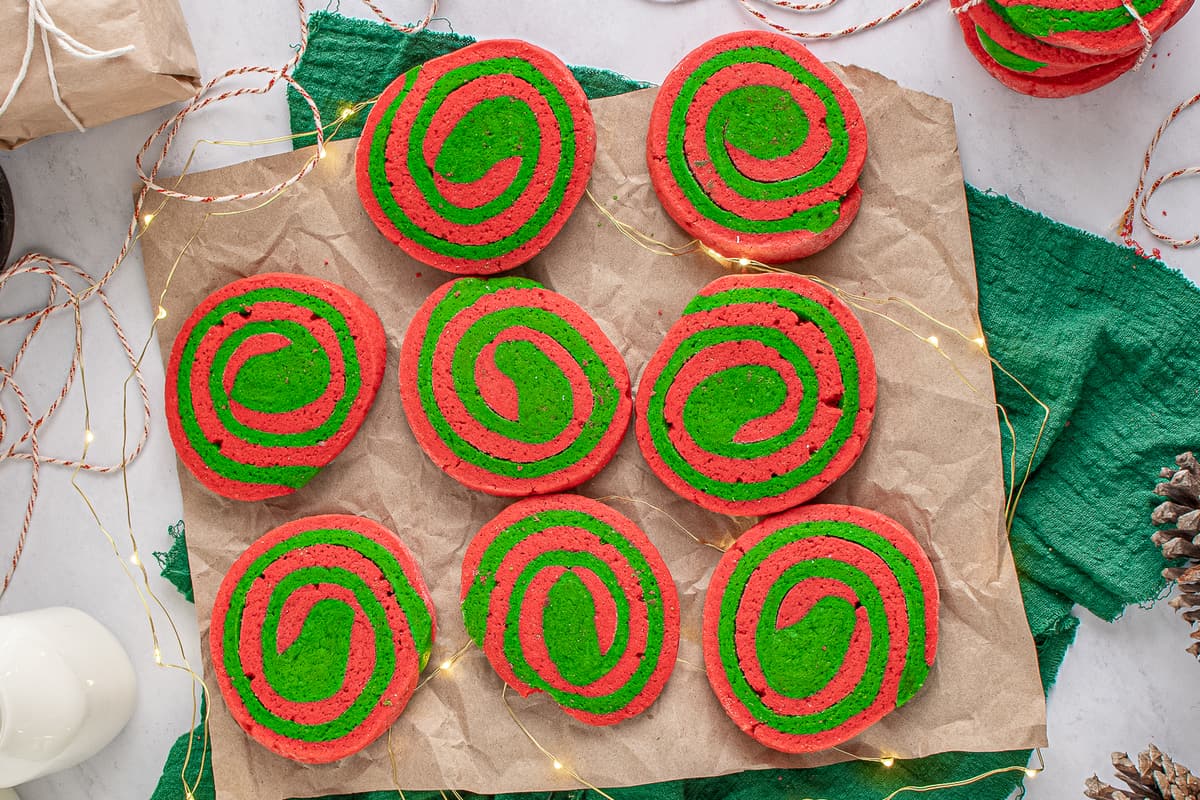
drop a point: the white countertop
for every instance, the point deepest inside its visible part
(1122, 686)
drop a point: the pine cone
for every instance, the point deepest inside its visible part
(1155, 777)
(1182, 508)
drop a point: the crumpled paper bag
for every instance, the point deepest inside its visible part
(161, 68)
(933, 463)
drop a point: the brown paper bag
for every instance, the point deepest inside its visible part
(933, 463)
(161, 67)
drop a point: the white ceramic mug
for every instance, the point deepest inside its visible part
(66, 690)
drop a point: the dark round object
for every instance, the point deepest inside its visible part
(6, 220)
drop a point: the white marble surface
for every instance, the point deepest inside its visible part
(1122, 686)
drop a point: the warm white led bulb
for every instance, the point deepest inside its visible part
(557, 764)
(933, 340)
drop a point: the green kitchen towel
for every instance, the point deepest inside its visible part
(1078, 319)
(1086, 324)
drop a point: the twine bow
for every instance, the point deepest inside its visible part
(39, 19)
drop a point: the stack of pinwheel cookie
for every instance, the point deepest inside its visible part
(1059, 48)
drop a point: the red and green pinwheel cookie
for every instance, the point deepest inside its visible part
(512, 389)
(473, 161)
(318, 634)
(1101, 27)
(1020, 53)
(755, 148)
(819, 622)
(570, 598)
(761, 395)
(269, 379)
(1039, 79)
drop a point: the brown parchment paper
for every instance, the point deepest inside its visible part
(933, 463)
(160, 69)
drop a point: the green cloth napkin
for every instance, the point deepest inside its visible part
(1084, 323)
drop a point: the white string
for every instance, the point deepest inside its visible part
(39, 18)
(24, 61)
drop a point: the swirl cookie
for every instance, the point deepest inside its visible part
(1039, 79)
(761, 395)
(568, 597)
(755, 148)
(818, 622)
(318, 634)
(473, 161)
(269, 379)
(1101, 27)
(1020, 52)
(511, 388)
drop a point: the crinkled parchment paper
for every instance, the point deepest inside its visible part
(933, 461)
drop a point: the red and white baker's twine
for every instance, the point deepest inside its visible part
(1141, 196)
(1144, 29)
(63, 296)
(53, 271)
(766, 20)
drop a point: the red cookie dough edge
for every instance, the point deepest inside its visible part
(372, 359)
(1064, 85)
(1117, 41)
(585, 156)
(636, 536)
(838, 466)
(477, 478)
(1058, 60)
(714, 667)
(356, 740)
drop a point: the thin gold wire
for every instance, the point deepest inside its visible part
(556, 763)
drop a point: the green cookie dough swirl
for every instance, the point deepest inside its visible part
(473, 161)
(319, 631)
(511, 388)
(567, 597)
(269, 380)
(760, 396)
(818, 623)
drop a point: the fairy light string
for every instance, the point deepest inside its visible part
(1030, 772)
(720, 545)
(555, 762)
(976, 341)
